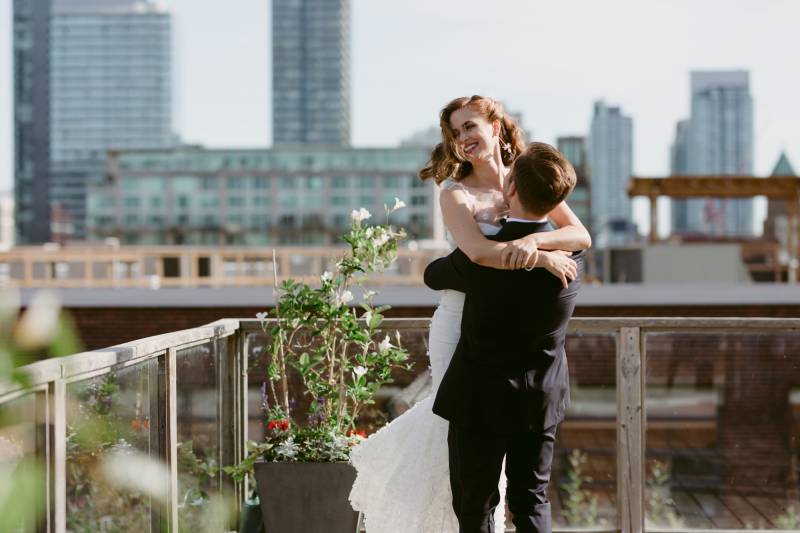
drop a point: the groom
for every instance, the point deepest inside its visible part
(507, 385)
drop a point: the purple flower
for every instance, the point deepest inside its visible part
(264, 396)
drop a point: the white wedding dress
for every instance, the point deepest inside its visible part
(403, 483)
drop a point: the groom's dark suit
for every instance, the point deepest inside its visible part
(507, 385)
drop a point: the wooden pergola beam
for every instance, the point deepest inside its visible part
(777, 187)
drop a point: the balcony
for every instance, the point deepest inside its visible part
(675, 424)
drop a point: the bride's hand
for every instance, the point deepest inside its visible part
(520, 253)
(559, 264)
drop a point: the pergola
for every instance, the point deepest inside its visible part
(786, 188)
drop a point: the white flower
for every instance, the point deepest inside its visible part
(326, 276)
(369, 232)
(367, 317)
(369, 294)
(385, 344)
(128, 469)
(359, 371)
(360, 215)
(343, 298)
(39, 325)
(381, 239)
(262, 316)
(398, 204)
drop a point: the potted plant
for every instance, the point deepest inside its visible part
(339, 361)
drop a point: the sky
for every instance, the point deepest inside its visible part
(548, 60)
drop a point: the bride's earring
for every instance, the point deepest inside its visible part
(507, 148)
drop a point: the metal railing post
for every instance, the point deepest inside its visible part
(59, 447)
(172, 437)
(630, 431)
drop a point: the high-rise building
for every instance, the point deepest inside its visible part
(679, 164)
(718, 140)
(574, 149)
(31, 49)
(610, 157)
(283, 195)
(105, 83)
(311, 72)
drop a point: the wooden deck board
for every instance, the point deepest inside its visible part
(690, 510)
(743, 510)
(717, 511)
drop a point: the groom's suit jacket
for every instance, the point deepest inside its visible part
(509, 371)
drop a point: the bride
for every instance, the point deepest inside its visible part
(402, 483)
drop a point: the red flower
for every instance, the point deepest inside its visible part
(357, 432)
(281, 424)
(137, 424)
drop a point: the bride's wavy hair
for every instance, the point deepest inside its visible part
(447, 158)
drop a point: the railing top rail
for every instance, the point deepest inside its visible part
(610, 324)
(45, 371)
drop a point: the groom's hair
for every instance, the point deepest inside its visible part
(543, 176)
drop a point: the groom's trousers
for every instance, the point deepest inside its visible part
(476, 460)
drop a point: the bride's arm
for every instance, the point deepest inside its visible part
(462, 226)
(571, 236)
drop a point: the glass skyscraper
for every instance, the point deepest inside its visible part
(311, 72)
(107, 76)
(716, 140)
(574, 149)
(610, 156)
(31, 49)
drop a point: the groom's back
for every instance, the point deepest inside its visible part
(509, 371)
(515, 317)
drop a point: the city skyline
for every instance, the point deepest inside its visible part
(409, 60)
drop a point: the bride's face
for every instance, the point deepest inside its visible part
(475, 136)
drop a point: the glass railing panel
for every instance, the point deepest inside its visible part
(723, 420)
(112, 425)
(583, 482)
(198, 398)
(20, 443)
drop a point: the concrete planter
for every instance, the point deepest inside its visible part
(304, 497)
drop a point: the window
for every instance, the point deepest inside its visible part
(261, 182)
(236, 183)
(419, 200)
(132, 201)
(340, 182)
(340, 201)
(314, 183)
(210, 183)
(183, 202)
(235, 201)
(391, 182)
